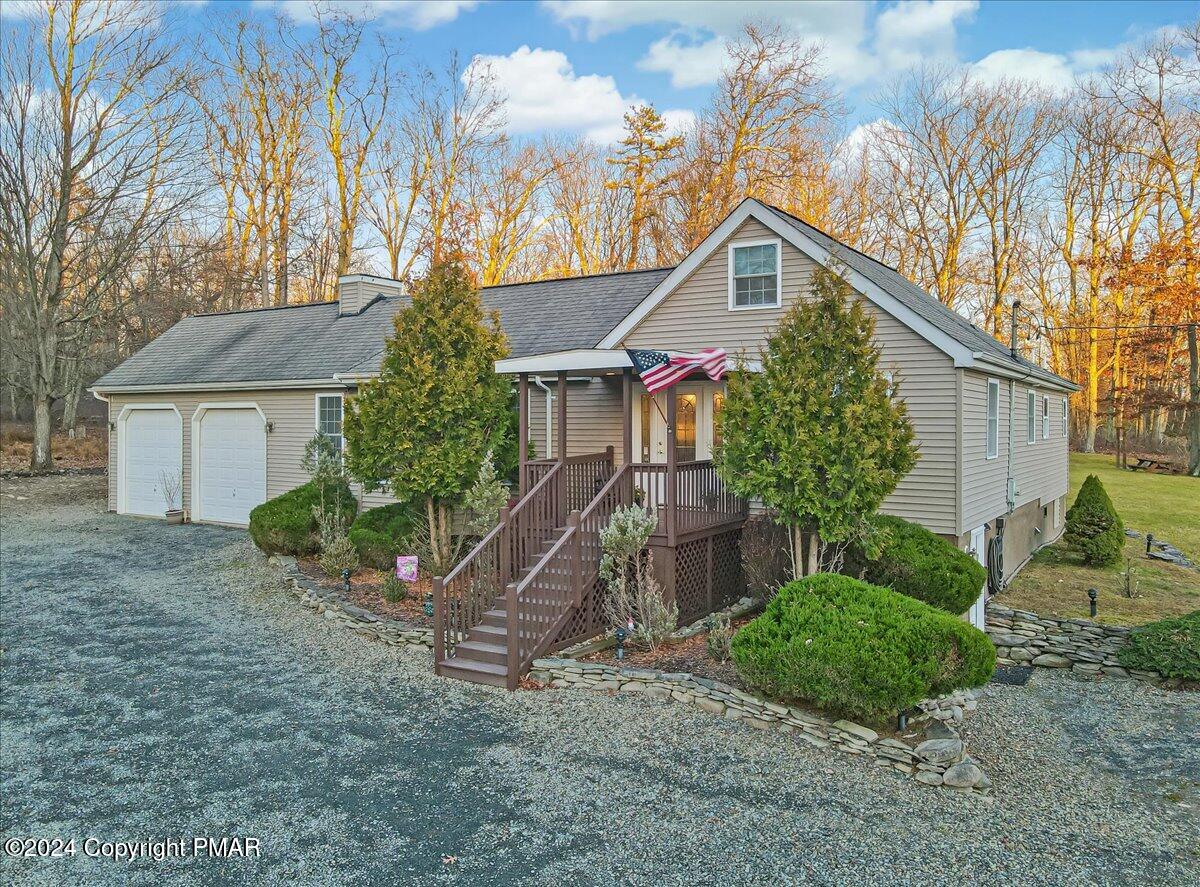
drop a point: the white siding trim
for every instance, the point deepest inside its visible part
(768, 241)
(197, 418)
(122, 479)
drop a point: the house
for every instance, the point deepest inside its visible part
(230, 400)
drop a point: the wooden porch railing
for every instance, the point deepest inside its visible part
(478, 581)
(539, 604)
(702, 499)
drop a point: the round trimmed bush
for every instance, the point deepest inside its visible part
(287, 525)
(1170, 647)
(857, 649)
(381, 533)
(920, 564)
(1093, 526)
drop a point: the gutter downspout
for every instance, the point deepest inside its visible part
(1010, 481)
(537, 380)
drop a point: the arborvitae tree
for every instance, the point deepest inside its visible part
(424, 426)
(817, 435)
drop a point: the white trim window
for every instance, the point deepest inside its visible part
(1030, 414)
(755, 274)
(993, 418)
(329, 419)
(1065, 417)
(1045, 417)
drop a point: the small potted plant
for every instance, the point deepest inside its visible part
(171, 486)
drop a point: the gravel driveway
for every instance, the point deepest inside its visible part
(158, 682)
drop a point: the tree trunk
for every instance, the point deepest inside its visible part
(71, 407)
(813, 564)
(1193, 409)
(41, 459)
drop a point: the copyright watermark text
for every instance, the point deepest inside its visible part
(156, 849)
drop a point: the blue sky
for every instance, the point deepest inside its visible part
(574, 65)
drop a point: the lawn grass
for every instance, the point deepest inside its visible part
(1055, 582)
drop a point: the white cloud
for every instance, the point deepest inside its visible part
(1050, 70)
(686, 63)
(917, 31)
(542, 92)
(420, 15)
(693, 54)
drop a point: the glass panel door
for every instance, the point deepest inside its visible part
(685, 427)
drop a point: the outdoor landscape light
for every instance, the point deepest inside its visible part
(1092, 601)
(346, 579)
(902, 722)
(620, 635)
(429, 604)
(1149, 541)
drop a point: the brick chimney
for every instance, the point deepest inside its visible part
(357, 291)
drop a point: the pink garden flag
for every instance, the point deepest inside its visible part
(406, 567)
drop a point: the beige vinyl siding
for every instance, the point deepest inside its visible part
(1040, 468)
(697, 315)
(293, 414)
(593, 416)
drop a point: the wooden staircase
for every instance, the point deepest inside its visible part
(483, 657)
(510, 600)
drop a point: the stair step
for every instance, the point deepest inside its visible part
(481, 651)
(475, 672)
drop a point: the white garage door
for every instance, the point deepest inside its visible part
(232, 465)
(153, 443)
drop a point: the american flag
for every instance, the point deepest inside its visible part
(659, 370)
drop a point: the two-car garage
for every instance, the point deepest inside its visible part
(225, 472)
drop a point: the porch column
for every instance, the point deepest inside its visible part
(671, 469)
(561, 419)
(522, 430)
(627, 416)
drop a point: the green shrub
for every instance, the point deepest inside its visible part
(1093, 526)
(380, 534)
(287, 525)
(1170, 647)
(857, 649)
(337, 555)
(920, 564)
(394, 589)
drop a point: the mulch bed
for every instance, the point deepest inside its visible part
(366, 587)
(690, 655)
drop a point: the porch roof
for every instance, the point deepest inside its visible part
(585, 360)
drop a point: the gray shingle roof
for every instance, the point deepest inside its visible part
(928, 307)
(302, 342)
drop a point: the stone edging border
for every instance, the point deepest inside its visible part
(330, 604)
(1088, 648)
(940, 761)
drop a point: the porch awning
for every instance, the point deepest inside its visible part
(590, 359)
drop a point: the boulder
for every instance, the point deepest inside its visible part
(964, 775)
(940, 751)
(1052, 660)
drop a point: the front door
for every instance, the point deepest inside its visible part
(697, 405)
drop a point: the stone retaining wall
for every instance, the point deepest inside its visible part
(1086, 647)
(330, 604)
(936, 761)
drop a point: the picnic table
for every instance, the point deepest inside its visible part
(1152, 463)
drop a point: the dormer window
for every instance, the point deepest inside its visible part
(754, 274)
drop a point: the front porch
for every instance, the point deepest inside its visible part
(532, 584)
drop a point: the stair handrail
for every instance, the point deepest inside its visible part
(570, 541)
(498, 537)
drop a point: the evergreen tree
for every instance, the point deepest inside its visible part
(425, 425)
(816, 435)
(643, 162)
